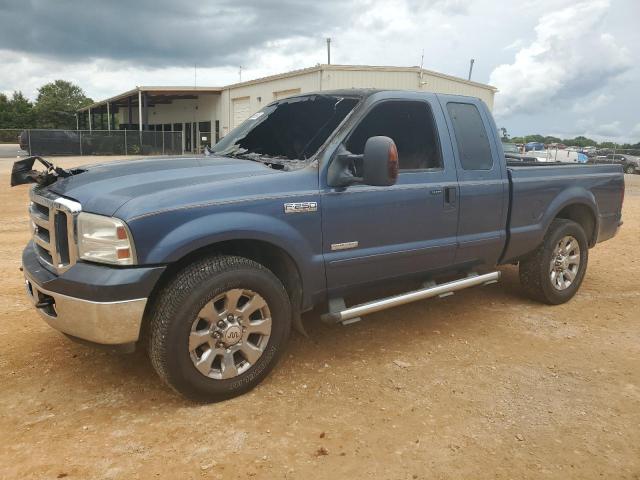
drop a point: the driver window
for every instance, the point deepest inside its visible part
(410, 125)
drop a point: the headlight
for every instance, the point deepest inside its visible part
(105, 240)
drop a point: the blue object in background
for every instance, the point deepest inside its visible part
(535, 146)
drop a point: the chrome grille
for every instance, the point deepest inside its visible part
(53, 220)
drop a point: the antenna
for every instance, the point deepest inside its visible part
(328, 50)
(421, 81)
(195, 75)
(240, 74)
(471, 68)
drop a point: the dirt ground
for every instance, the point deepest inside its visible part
(489, 385)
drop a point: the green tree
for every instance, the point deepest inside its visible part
(57, 104)
(21, 111)
(5, 114)
(504, 135)
(581, 142)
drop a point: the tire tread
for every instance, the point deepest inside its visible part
(171, 297)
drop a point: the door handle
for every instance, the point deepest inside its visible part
(450, 196)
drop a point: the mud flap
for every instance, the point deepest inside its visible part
(298, 326)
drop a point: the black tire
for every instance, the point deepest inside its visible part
(535, 268)
(629, 169)
(177, 306)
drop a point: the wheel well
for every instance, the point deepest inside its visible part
(583, 216)
(270, 256)
(266, 254)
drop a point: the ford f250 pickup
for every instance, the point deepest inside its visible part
(210, 261)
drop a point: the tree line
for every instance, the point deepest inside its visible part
(579, 141)
(54, 107)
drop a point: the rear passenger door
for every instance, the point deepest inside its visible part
(482, 180)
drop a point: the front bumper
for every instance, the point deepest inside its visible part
(99, 304)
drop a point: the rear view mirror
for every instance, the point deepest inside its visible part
(380, 162)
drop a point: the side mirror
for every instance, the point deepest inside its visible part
(380, 162)
(377, 166)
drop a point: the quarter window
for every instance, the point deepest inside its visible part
(471, 137)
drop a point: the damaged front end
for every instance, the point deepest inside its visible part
(23, 172)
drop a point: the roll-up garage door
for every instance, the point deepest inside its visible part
(241, 110)
(285, 93)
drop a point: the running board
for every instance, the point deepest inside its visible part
(429, 291)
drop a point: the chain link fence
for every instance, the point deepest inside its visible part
(95, 142)
(9, 135)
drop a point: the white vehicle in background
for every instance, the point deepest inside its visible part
(558, 155)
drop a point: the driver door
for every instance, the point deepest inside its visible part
(372, 234)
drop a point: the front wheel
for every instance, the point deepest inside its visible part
(553, 273)
(218, 328)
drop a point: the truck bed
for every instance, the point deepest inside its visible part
(539, 191)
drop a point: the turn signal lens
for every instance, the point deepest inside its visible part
(393, 161)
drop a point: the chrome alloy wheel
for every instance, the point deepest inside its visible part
(565, 263)
(230, 334)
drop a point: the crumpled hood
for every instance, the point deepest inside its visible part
(105, 188)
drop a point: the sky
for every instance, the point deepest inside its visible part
(562, 67)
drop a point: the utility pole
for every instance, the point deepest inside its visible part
(471, 68)
(328, 50)
(240, 74)
(195, 75)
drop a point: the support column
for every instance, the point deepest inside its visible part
(145, 110)
(130, 111)
(139, 110)
(89, 117)
(108, 117)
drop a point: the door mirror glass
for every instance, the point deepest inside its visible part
(380, 162)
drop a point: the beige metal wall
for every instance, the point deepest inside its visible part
(179, 111)
(407, 79)
(262, 93)
(330, 77)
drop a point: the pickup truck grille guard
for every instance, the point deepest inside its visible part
(53, 221)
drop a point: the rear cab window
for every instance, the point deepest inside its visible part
(471, 136)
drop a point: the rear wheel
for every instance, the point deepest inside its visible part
(554, 271)
(219, 327)
(629, 169)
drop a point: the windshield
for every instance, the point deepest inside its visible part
(291, 129)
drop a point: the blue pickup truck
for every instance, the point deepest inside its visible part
(210, 261)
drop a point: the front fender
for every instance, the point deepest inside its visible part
(220, 227)
(168, 237)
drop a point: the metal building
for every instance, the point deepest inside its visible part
(205, 114)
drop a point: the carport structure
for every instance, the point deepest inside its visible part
(161, 109)
(129, 107)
